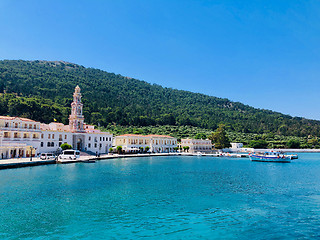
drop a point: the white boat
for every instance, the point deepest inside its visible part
(270, 157)
(293, 156)
(199, 154)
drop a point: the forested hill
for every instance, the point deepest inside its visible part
(42, 91)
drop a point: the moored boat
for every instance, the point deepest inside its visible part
(270, 157)
(293, 156)
(89, 161)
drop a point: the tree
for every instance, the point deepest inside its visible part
(175, 149)
(141, 149)
(201, 136)
(65, 146)
(186, 148)
(219, 138)
(313, 142)
(119, 149)
(292, 143)
(147, 148)
(111, 150)
(258, 143)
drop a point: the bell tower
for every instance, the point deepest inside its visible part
(76, 119)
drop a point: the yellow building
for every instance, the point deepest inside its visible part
(197, 145)
(156, 143)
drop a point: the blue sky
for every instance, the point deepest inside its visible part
(262, 53)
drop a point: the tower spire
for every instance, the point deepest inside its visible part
(76, 119)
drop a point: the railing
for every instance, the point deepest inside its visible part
(13, 144)
(20, 129)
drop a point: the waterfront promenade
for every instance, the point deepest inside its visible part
(25, 162)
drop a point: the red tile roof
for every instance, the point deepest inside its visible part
(12, 118)
(138, 135)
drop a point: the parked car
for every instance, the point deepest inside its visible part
(47, 156)
(70, 154)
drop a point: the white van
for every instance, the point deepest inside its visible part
(70, 154)
(47, 156)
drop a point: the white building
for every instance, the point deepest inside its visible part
(79, 135)
(22, 137)
(197, 145)
(19, 137)
(236, 145)
(155, 143)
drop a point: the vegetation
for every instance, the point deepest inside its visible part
(65, 146)
(292, 143)
(42, 91)
(273, 140)
(258, 143)
(119, 149)
(186, 148)
(219, 138)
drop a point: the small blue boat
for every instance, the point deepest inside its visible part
(270, 157)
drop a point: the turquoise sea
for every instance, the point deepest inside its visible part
(163, 198)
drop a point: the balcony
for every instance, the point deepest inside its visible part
(19, 129)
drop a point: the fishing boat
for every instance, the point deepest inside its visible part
(270, 157)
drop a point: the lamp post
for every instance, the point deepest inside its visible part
(31, 149)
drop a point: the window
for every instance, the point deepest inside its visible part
(49, 136)
(89, 145)
(42, 135)
(52, 136)
(65, 136)
(35, 126)
(48, 144)
(41, 144)
(16, 125)
(95, 145)
(6, 124)
(100, 139)
(52, 144)
(89, 138)
(30, 126)
(100, 145)
(26, 126)
(103, 139)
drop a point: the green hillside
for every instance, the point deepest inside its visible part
(42, 91)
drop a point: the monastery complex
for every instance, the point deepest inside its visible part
(22, 137)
